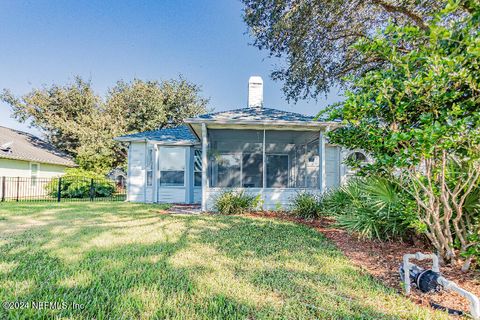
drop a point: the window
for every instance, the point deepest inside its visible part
(357, 157)
(197, 168)
(149, 167)
(33, 174)
(172, 166)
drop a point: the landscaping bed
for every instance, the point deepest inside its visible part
(382, 259)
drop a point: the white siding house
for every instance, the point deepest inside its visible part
(259, 150)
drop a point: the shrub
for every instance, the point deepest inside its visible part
(233, 202)
(76, 183)
(305, 205)
(373, 207)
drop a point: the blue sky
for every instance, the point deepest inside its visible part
(45, 42)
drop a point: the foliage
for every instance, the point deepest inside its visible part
(76, 183)
(373, 207)
(316, 37)
(305, 205)
(418, 116)
(127, 261)
(235, 202)
(77, 121)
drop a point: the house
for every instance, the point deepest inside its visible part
(259, 150)
(26, 162)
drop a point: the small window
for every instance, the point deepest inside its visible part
(172, 166)
(33, 174)
(197, 166)
(149, 167)
(357, 157)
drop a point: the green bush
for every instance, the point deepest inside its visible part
(76, 183)
(373, 207)
(305, 205)
(233, 202)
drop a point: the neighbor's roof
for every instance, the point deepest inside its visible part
(177, 135)
(20, 145)
(257, 115)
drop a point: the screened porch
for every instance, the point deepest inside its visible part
(274, 163)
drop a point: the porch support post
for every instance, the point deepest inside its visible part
(204, 167)
(321, 152)
(155, 172)
(264, 163)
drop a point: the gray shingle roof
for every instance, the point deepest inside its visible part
(25, 146)
(177, 135)
(253, 114)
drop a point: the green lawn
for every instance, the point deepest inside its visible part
(128, 261)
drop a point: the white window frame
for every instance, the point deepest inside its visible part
(194, 170)
(149, 166)
(34, 178)
(160, 167)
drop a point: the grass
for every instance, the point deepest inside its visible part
(128, 261)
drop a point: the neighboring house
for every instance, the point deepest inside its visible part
(26, 161)
(119, 176)
(259, 150)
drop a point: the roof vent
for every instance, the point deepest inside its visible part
(255, 92)
(7, 147)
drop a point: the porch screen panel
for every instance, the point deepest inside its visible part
(236, 158)
(291, 159)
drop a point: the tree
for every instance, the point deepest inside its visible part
(316, 37)
(59, 112)
(77, 121)
(419, 118)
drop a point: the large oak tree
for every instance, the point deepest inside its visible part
(79, 122)
(314, 38)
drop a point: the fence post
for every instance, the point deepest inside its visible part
(18, 187)
(92, 190)
(59, 191)
(4, 184)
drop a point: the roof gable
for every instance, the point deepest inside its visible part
(21, 145)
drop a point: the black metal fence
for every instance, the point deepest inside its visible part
(61, 189)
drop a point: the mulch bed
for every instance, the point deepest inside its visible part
(382, 261)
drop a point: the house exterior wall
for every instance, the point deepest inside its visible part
(137, 188)
(16, 172)
(273, 198)
(21, 168)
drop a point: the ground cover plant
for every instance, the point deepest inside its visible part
(305, 205)
(373, 207)
(235, 202)
(133, 261)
